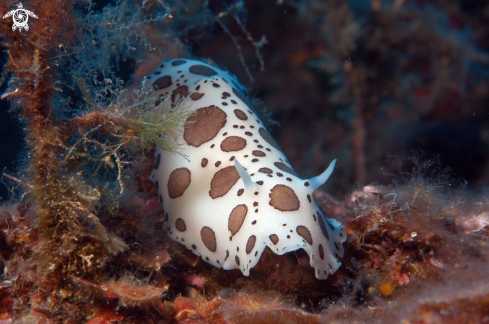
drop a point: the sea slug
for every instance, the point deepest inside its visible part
(235, 193)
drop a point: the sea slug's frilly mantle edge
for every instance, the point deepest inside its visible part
(237, 193)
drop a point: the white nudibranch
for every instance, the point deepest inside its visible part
(235, 193)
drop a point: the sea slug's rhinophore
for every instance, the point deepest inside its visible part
(236, 193)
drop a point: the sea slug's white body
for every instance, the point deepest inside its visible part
(235, 193)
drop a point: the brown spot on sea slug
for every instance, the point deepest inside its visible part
(180, 225)
(274, 239)
(202, 70)
(236, 218)
(284, 198)
(323, 227)
(178, 181)
(196, 95)
(305, 233)
(208, 238)
(181, 90)
(240, 114)
(285, 167)
(265, 170)
(204, 125)
(162, 82)
(233, 143)
(267, 137)
(223, 181)
(321, 252)
(250, 244)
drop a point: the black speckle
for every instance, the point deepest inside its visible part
(178, 62)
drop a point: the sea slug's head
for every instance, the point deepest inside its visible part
(292, 219)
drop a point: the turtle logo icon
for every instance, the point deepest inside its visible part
(20, 17)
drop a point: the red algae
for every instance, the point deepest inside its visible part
(133, 293)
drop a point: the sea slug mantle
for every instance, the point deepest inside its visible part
(235, 193)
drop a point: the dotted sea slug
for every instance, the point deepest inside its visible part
(236, 193)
